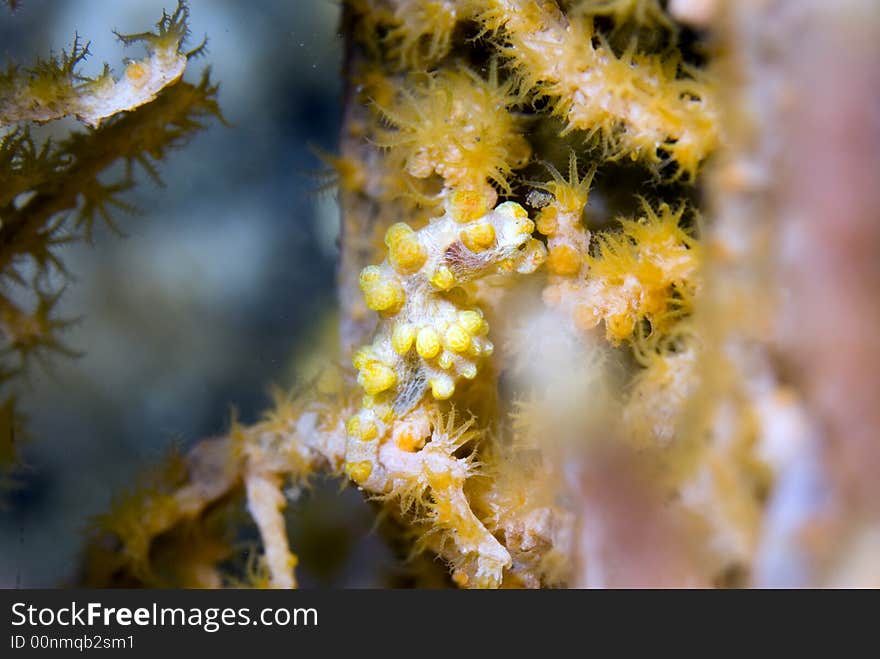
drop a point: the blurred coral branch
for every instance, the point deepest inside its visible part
(52, 192)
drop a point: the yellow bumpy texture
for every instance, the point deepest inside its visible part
(428, 338)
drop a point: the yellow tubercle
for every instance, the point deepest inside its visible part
(428, 343)
(376, 377)
(469, 205)
(384, 294)
(472, 321)
(457, 338)
(396, 232)
(359, 471)
(405, 251)
(402, 337)
(443, 278)
(442, 388)
(369, 276)
(478, 237)
(445, 361)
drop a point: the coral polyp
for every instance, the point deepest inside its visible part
(459, 126)
(647, 271)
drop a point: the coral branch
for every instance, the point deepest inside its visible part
(53, 88)
(647, 107)
(266, 503)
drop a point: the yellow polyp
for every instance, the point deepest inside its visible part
(563, 260)
(367, 402)
(405, 251)
(443, 278)
(359, 471)
(369, 275)
(442, 388)
(353, 426)
(488, 348)
(427, 343)
(457, 338)
(402, 338)
(385, 295)
(396, 232)
(376, 377)
(570, 198)
(460, 579)
(547, 221)
(469, 371)
(472, 321)
(408, 256)
(469, 205)
(445, 361)
(479, 237)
